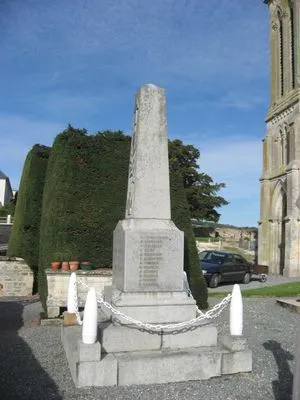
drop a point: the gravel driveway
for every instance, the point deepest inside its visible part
(33, 364)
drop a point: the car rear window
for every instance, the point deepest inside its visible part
(203, 254)
(212, 257)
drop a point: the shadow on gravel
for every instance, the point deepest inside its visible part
(283, 387)
(21, 376)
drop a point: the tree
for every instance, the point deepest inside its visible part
(181, 217)
(200, 189)
(25, 236)
(8, 209)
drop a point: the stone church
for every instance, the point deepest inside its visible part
(279, 225)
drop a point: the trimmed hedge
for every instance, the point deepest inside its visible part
(84, 198)
(181, 218)
(25, 235)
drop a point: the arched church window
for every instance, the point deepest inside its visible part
(277, 151)
(291, 142)
(287, 144)
(281, 71)
(281, 147)
(292, 45)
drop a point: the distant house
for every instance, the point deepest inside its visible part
(6, 193)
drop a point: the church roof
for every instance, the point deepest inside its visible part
(2, 175)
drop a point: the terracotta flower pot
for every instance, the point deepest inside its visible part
(85, 265)
(74, 265)
(65, 266)
(55, 265)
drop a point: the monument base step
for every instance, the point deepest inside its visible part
(90, 365)
(153, 307)
(119, 338)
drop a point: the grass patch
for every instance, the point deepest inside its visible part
(283, 290)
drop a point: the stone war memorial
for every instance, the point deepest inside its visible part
(148, 330)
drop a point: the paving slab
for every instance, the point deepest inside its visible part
(292, 303)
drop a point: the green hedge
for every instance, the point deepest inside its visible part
(84, 198)
(25, 235)
(181, 218)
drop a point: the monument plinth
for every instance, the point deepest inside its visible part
(147, 282)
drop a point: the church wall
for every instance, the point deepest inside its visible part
(279, 228)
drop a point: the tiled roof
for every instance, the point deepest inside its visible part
(2, 175)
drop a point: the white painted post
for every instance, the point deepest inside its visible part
(236, 312)
(8, 220)
(186, 286)
(219, 244)
(72, 295)
(89, 326)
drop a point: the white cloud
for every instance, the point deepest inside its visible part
(81, 61)
(237, 162)
(234, 161)
(64, 103)
(192, 41)
(17, 136)
(235, 99)
(16, 129)
(241, 101)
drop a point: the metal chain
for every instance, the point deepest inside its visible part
(211, 314)
(79, 320)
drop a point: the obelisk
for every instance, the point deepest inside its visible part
(148, 247)
(148, 283)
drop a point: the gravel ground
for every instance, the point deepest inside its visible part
(33, 364)
(256, 283)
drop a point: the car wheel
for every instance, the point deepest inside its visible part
(214, 281)
(263, 278)
(246, 278)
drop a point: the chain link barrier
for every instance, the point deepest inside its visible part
(209, 315)
(79, 320)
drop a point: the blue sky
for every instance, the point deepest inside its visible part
(82, 61)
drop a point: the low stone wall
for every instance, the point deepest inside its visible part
(58, 282)
(16, 278)
(5, 231)
(201, 246)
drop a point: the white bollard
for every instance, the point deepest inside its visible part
(186, 286)
(89, 326)
(8, 220)
(72, 294)
(236, 312)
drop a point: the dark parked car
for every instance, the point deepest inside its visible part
(220, 266)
